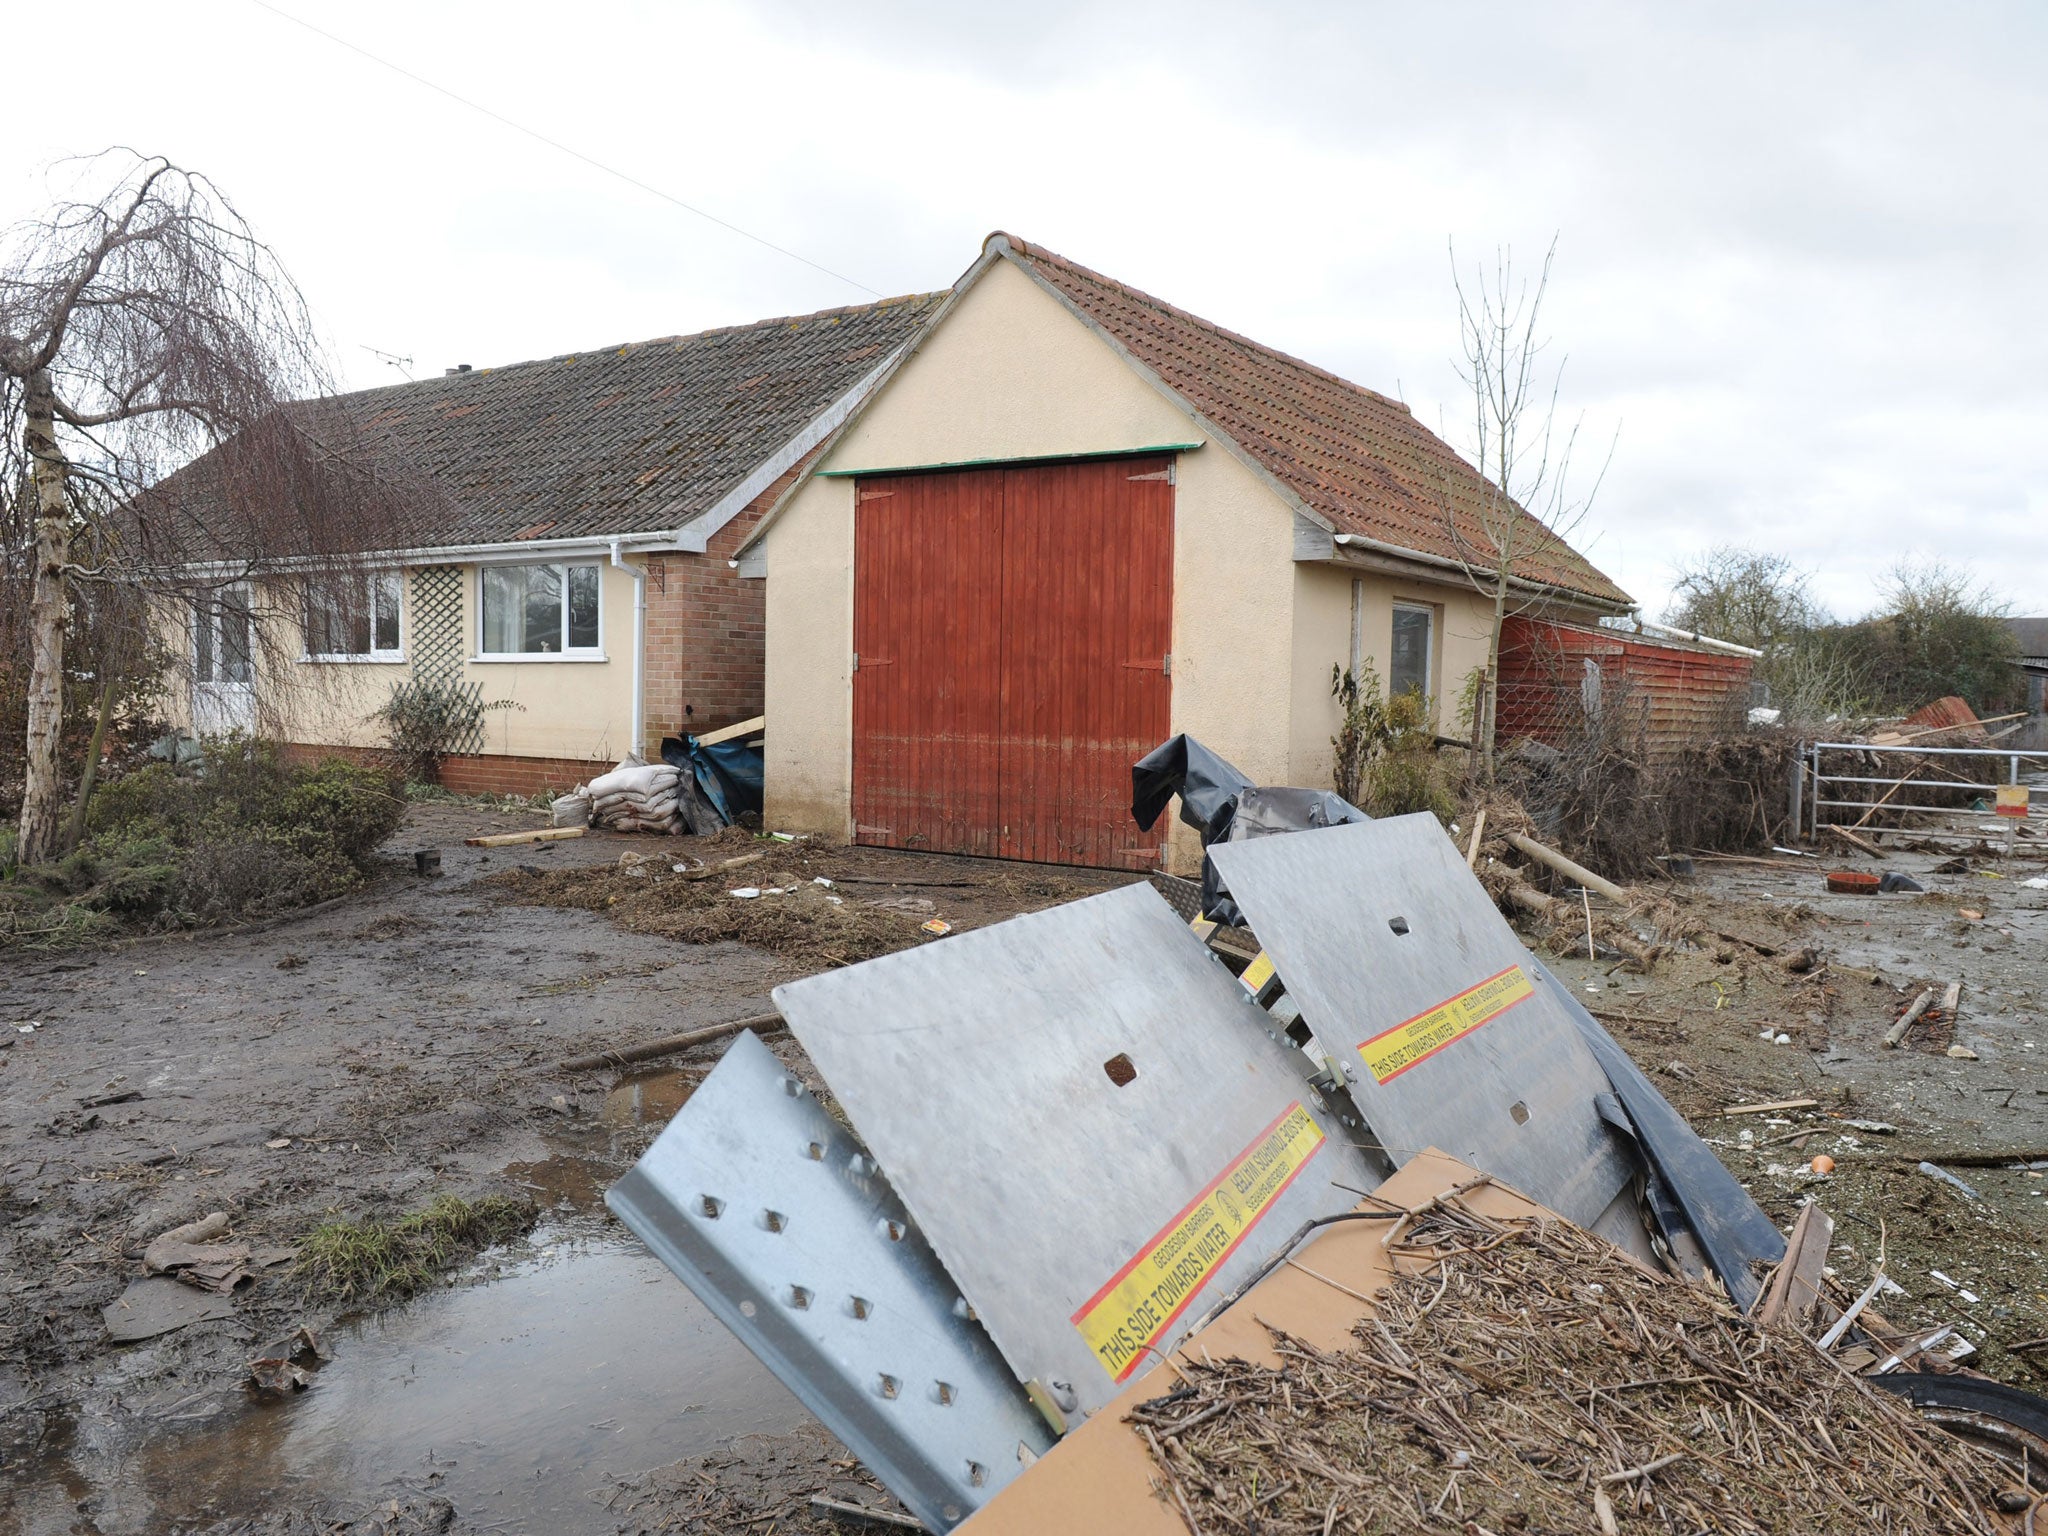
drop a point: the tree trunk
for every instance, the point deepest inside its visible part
(1489, 701)
(90, 771)
(49, 615)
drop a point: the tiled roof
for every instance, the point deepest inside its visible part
(626, 439)
(1356, 457)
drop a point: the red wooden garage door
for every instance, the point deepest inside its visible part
(1011, 628)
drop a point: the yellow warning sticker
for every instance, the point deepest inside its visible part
(1123, 1320)
(1258, 973)
(1391, 1052)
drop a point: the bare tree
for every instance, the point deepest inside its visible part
(1749, 596)
(139, 328)
(1521, 521)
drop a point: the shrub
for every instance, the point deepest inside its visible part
(425, 719)
(247, 833)
(1386, 758)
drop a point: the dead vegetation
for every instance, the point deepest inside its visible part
(817, 905)
(1528, 1377)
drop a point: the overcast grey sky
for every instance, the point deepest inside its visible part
(1800, 247)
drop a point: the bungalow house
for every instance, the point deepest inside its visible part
(1071, 520)
(572, 570)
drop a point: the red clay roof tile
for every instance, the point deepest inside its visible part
(1350, 454)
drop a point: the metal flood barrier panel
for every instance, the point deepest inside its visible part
(775, 1216)
(1427, 1002)
(1096, 1129)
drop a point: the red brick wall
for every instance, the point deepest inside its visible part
(499, 774)
(488, 773)
(706, 633)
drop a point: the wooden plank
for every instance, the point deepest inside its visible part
(1795, 1283)
(1862, 844)
(732, 732)
(507, 839)
(1772, 1107)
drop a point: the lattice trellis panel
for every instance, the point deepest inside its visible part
(437, 623)
(437, 646)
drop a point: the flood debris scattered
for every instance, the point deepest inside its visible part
(1525, 1375)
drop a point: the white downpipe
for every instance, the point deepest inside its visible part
(1649, 626)
(639, 575)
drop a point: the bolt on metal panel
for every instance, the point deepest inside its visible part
(1425, 998)
(1097, 1130)
(763, 1205)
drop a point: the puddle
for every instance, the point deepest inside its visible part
(647, 1098)
(515, 1399)
(573, 1359)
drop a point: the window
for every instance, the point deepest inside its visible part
(1408, 671)
(356, 619)
(540, 610)
(223, 649)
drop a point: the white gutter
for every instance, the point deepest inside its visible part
(639, 575)
(1687, 635)
(1525, 583)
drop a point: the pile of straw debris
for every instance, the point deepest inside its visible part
(1530, 1378)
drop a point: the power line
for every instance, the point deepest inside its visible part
(557, 144)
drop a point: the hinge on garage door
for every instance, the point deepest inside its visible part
(856, 661)
(1166, 664)
(1165, 474)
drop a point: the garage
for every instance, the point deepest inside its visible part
(1012, 630)
(974, 588)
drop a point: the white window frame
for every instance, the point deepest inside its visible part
(375, 654)
(206, 630)
(1428, 611)
(562, 567)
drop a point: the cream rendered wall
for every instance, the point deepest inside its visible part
(808, 679)
(1012, 374)
(1322, 637)
(570, 709)
(573, 709)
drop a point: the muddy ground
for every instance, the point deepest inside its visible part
(405, 1043)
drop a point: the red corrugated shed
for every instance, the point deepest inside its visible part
(1948, 722)
(1545, 681)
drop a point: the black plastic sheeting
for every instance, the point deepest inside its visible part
(727, 776)
(1687, 1190)
(1225, 807)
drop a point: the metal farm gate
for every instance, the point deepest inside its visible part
(1010, 631)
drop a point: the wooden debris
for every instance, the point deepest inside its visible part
(1521, 1371)
(1570, 870)
(1772, 1107)
(1897, 1033)
(1478, 831)
(841, 1509)
(723, 865)
(1795, 1283)
(1529, 899)
(507, 839)
(1860, 844)
(733, 732)
(668, 1045)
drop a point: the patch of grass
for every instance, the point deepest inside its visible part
(387, 1261)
